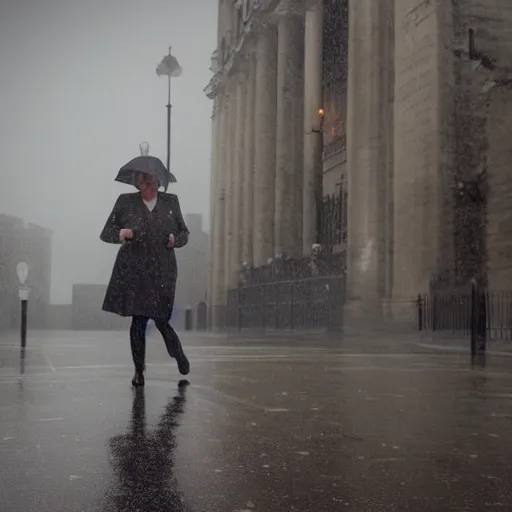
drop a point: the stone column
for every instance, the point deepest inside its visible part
(218, 213)
(420, 71)
(248, 182)
(265, 145)
(288, 203)
(230, 161)
(313, 101)
(238, 176)
(214, 167)
(367, 154)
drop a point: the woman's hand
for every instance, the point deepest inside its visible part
(171, 242)
(125, 234)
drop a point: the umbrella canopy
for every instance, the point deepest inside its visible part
(148, 165)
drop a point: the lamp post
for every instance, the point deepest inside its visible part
(170, 68)
(319, 196)
(22, 272)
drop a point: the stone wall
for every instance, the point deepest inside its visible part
(452, 182)
(417, 142)
(492, 21)
(499, 212)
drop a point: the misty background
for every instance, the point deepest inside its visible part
(78, 93)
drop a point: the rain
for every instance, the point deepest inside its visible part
(255, 255)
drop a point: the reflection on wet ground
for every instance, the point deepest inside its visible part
(370, 426)
(143, 459)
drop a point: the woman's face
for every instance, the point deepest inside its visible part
(146, 183)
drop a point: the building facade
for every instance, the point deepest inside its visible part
(400, 107)
(33, 244)
(267, 137)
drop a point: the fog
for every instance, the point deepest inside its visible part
(79, 92)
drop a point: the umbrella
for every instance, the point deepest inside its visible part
(148, 165)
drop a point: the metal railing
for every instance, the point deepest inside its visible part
(477, 313)
(333, 229)
(306, 294)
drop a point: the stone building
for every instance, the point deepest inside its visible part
(33, 244)
(415, 132)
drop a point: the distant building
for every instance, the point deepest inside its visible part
(192, 265)
(87, 314)
(60, 317)
(33, 244)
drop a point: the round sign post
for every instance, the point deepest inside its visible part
(22, 272)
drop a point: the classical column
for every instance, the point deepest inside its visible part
(265, 145)
(238, 176)
(369, 140)
(313, 101)
(248, 182)
(288, 203)
(218, 231)
(214, 167)
(422, 116)
(230, 161)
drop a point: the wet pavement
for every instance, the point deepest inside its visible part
(261, 425)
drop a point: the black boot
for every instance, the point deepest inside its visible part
(183, 364)
(138, 378)
(173, 345)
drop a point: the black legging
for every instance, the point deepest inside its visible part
(138, 340)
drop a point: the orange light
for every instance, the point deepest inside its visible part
(321, 112)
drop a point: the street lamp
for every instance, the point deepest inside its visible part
(319, 194)
(22, 272)
(170, 68)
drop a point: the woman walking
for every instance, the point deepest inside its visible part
(149, 226)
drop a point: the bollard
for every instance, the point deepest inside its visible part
(474, 316)
(420, 313)
(23, 293)
(434, 312)
(22, 272)
(482, 320)
(239, 304)
(478, 319)
(24, 323)
(188, 319)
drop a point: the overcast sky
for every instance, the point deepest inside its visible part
(78, 93)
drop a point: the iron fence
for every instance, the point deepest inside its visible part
(290, 294)
(477, 313)
(333, 219)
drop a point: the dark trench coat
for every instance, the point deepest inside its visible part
(144, 277)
